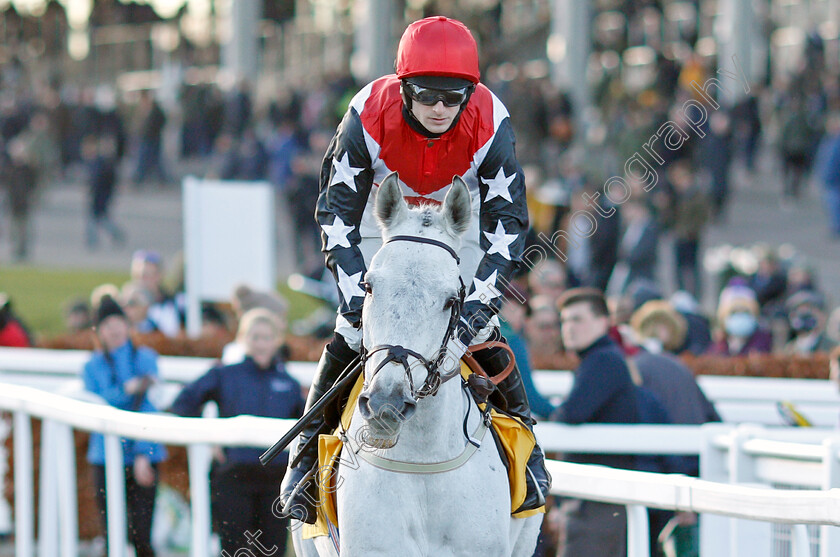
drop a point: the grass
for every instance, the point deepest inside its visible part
(39, 295)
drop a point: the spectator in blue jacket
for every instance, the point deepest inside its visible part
(243, 490)
(828, 166)
(122, 374)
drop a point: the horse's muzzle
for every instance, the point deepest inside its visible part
(384, 413)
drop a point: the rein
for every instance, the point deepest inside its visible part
(399, 354)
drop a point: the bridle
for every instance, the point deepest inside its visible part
(400, 354)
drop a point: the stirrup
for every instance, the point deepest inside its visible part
(540, 497)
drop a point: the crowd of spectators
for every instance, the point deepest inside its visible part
(602, 297)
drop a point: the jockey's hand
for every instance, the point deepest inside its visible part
(144, 474)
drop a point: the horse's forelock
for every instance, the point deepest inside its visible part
(425, 219)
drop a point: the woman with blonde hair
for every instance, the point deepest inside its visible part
(243, 490)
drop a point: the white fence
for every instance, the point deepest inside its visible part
(748, 456)
(737, 399)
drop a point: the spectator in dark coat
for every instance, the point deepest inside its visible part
(747, 128)
(602, 392)
(150, 140)
(691, 216)
(238, 109)
(674, 386)
(603, 248)
(20, 177)
(102, 181)
(770, 281)
(698, 336)
(244, 490)
(639, 246)
(252, 159)
(798, 138)
(828, 168)
(716, 154)
(807, 317)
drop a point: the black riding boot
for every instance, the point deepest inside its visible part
(336, 356)
(538, 480)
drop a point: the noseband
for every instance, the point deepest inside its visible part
(399, 354)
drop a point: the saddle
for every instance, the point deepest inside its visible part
(513, 439)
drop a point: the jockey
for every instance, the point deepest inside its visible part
(429, 121)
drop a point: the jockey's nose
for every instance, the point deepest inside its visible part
(385, 410)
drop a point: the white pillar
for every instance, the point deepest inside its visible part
(241, 55)
(24, 506)
(198, 462)
(638, 541)
(830, 535)
(714, 529)
(568, 48)
(374, 49)
(748, 537)
(48, 516)
(115, 496)
(68, 505)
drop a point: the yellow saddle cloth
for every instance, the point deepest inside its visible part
(516, 440)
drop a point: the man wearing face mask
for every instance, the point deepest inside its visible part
(740, 332)
(807, 317)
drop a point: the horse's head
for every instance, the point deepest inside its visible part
(413, 297)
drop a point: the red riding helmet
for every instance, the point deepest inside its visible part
(438, 46)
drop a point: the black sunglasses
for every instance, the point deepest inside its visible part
(430, 97)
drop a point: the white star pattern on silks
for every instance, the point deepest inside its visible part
(498, 186)
(337, 233)
(344, 173)
(500, 241)
(349, 285)
(485, 290)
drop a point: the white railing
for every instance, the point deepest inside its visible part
(737, 399)
(765, 460)
(60, 415)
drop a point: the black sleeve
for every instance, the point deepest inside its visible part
(595, 384)
(503, 223)
(195, 395)
(644, 252)
(345, 183)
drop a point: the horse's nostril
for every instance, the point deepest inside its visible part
(364, 405)
(408, 409)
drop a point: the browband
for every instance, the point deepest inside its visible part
(423, 240)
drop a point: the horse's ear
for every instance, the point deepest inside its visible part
(456, 206)
(390, 205)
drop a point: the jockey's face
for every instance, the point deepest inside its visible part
(436, 118)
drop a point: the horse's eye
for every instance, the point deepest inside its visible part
(368, 288)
